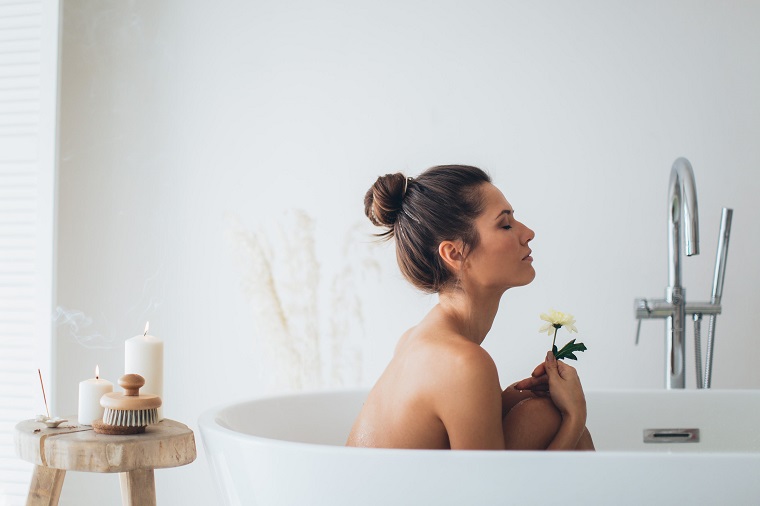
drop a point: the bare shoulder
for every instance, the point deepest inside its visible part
(467, 364)
(440, 390)
(445, 356)
(446, 363)
(452, 355)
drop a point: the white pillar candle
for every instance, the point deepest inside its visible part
(90, 392)
(144, 355)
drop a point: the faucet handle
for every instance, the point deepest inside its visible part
(644, 308)
(641, 310)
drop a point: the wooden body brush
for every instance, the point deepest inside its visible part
(130, 412)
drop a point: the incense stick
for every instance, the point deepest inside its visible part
(43, 394)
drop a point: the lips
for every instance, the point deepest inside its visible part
(528, 257)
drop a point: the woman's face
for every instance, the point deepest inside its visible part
(502, 258)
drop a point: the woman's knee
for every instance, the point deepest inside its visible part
(531, 424)
(541, 410)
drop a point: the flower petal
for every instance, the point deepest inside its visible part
(558, 318)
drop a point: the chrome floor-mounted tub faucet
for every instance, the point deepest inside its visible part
(683, 215)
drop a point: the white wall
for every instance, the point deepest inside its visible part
(186, 124)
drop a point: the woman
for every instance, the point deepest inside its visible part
(456, 235)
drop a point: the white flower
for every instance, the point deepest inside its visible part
(556, 320)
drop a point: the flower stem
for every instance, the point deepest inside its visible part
(555, 337)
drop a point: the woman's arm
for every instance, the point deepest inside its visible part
(469, 402)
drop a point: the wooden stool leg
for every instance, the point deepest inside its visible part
(45, 488)
(138, 488)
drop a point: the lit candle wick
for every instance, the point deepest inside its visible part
(147, 324)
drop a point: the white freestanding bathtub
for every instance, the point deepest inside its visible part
(288, 450)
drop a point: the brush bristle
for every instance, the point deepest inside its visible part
(130, 418)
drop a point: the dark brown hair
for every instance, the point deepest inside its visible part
(438, 205)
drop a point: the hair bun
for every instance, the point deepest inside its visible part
(382, 203)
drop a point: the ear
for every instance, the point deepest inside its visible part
(452, 253)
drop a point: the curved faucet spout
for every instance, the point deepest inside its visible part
(682, 199)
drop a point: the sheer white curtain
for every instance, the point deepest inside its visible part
(28, 104)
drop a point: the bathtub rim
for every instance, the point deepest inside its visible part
(207, 422)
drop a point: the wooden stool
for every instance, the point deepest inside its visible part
(73, 447)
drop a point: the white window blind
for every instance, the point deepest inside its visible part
(28, 105)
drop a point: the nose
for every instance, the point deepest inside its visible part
(528, 234)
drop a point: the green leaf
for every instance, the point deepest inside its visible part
(568, 350)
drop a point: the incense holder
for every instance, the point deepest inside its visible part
(51, 422)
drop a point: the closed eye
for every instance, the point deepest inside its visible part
(507, 227)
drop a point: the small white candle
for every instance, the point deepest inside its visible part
(90, 392)
(144, 355)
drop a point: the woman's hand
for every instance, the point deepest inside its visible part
(565, 389)
(538, 382)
